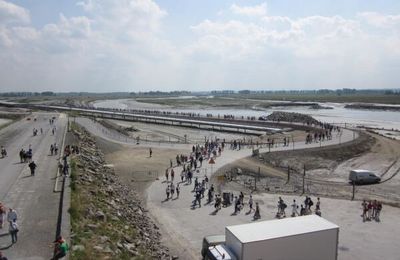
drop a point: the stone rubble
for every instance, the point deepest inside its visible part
(291, 117)
(119, 203)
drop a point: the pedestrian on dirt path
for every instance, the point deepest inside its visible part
(2, 214)
(369, 210)
(32, 166)
(365, 210)
(150, 152)
(172, 189)
(294, 209)
(172, 174)
(257, 212)
(167, 191)
(13, 229)
(250, 203)
(11, 215)
(2, 257)
(378, 211)
(178, 189)
(166, 174)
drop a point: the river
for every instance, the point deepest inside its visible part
(338, 115)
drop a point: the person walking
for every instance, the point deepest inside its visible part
(369, 210)
(178, 189)
(318, 205)
(13, 229)
(167, 191)
(150, 152)
(11, 215)
(378, 211)
(65, 169)
(294, 209)
(251, 203)
(257, 212)
(2, 214)
(172, 189)
(32, 165)
(22, 155)
(365, 210)
(166, 174)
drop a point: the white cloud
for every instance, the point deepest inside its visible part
(256, 10)
(122, 45)
(114, 46)
(312, 52)
(381, 20)
(10, 12)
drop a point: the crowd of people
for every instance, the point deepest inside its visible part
(9, 217)
(201, 187)
(371, 210)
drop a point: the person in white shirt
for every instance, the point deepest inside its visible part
(11, 216)
(294, 209)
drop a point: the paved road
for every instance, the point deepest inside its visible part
(32, 197)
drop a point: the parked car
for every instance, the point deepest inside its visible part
(363, 177)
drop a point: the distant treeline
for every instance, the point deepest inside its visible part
(161, 93)
(27, 94)
(326, 92)
(344, 91)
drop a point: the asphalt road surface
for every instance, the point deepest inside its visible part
(31, 196)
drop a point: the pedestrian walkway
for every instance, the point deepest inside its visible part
(32, 196)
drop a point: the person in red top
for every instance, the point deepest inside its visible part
(365, 210)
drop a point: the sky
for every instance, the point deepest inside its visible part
(149, 45)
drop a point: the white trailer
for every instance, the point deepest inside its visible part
(300, 238)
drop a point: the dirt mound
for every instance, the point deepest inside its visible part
(291, 117)
(316, 157)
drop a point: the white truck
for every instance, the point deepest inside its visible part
(307, 237)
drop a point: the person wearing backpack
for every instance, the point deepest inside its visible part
(32, 166)
(13, 229)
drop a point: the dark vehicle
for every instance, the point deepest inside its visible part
(363, 177)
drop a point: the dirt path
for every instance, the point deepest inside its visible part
(182, 227)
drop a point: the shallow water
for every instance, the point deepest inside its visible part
(338, 115)
(4, 121)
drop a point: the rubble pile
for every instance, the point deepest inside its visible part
(292, 117)
(107, 217)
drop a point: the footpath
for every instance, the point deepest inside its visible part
(32, 196)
